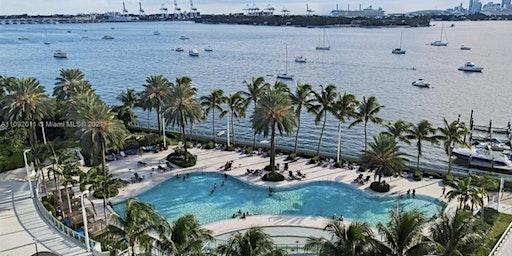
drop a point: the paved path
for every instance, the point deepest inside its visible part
(21, 225)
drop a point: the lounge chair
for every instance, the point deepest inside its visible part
(141, 163)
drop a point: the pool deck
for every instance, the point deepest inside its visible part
(213, 160)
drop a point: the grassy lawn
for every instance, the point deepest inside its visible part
(494, 234)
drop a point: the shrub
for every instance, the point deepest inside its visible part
(292, 156)
(418, 175)
(381, 187)
(434, 175)
(314, 160)
(210, 145)
(490, 215)
(447, 179)
(178, 158)
(273, 176)
(113, 191)
(248, 150)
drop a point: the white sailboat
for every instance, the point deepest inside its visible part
(285, 75)
(440, 41)
(399, 50)
(324, 46)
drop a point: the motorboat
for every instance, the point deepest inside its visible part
(156, 33)
(193, 53)
(465, 48)
(421, 83)
(399, 50)
(107, 37)
(184, 38)
(483, 157)
(23, 38)
(470, 67)
(58, 54)
(179, 49)
(85, 37)
(208, 49)
(300, 59)
(47, 43)
(220, 133)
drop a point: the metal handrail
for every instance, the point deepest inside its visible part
(94, 245)
(498, 244)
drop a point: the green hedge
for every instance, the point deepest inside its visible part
(380, 187)
(273, 176)
(10, 161)
(418, 175)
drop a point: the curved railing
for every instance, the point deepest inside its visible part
(502, 239)
(68, 232)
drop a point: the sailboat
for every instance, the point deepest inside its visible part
(399, 50)
(46, 42)
(285, 75)
(324, 47)
(440, 41)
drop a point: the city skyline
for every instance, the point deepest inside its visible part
(46, 7)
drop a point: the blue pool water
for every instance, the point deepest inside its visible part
(174, 198)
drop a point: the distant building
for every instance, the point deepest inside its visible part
(475, 6)
(366, 12)
(505, 4)
(457, 10)
(255, 11)
(491, 7)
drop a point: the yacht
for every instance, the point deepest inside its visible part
(156, 33)
(285, 75)
(470, 67)
(193, 53)
(107, 37)
(47, 43)
(465, 48)
(184, 38)
(300, 59)
(421, 83)
(325, 46)
(179, 49)
(399, 50)
(440, 42)
(484, 157)
(58, 54)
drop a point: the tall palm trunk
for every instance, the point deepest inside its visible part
(254, 135)
(213, 126)
(57, 187)
(449, 160)
(365, 135)
(103, 149)
(159, 122)
(70, 208)
(297, 134)
(233, 129)
(105, 206)
(338, 152)
(418, 157)
(321, 135)
(273, 148)
(183, 135)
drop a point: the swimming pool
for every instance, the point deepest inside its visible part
(175, 197)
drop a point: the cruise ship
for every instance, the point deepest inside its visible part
(366, 12)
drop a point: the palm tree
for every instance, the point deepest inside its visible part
(186, 237)
(253, 242)
(104, 185)
(367, 112)
(125, 114)
(129, 98)
(138, 226)
(384, 154)
(69, 82)
(423, 131)
(211, 103)
(182, 107)
(344, 109)
(156, 89)
(323, 103)
(5, 82)
(452, 134)
(455, 235)
(301, 98)
(274, 110)
(255, 89)
(236, 110)
(398, 130)
(70, 170)
(26, 101)
(356, 239)
(102, 130)
(462, 190)
(402, 235)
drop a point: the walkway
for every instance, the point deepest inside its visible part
(21, 225)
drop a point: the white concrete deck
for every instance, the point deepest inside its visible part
(213, 160)
(21, 226)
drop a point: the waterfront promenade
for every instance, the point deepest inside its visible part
(21, 226)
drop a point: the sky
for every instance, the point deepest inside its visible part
(214, 6)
